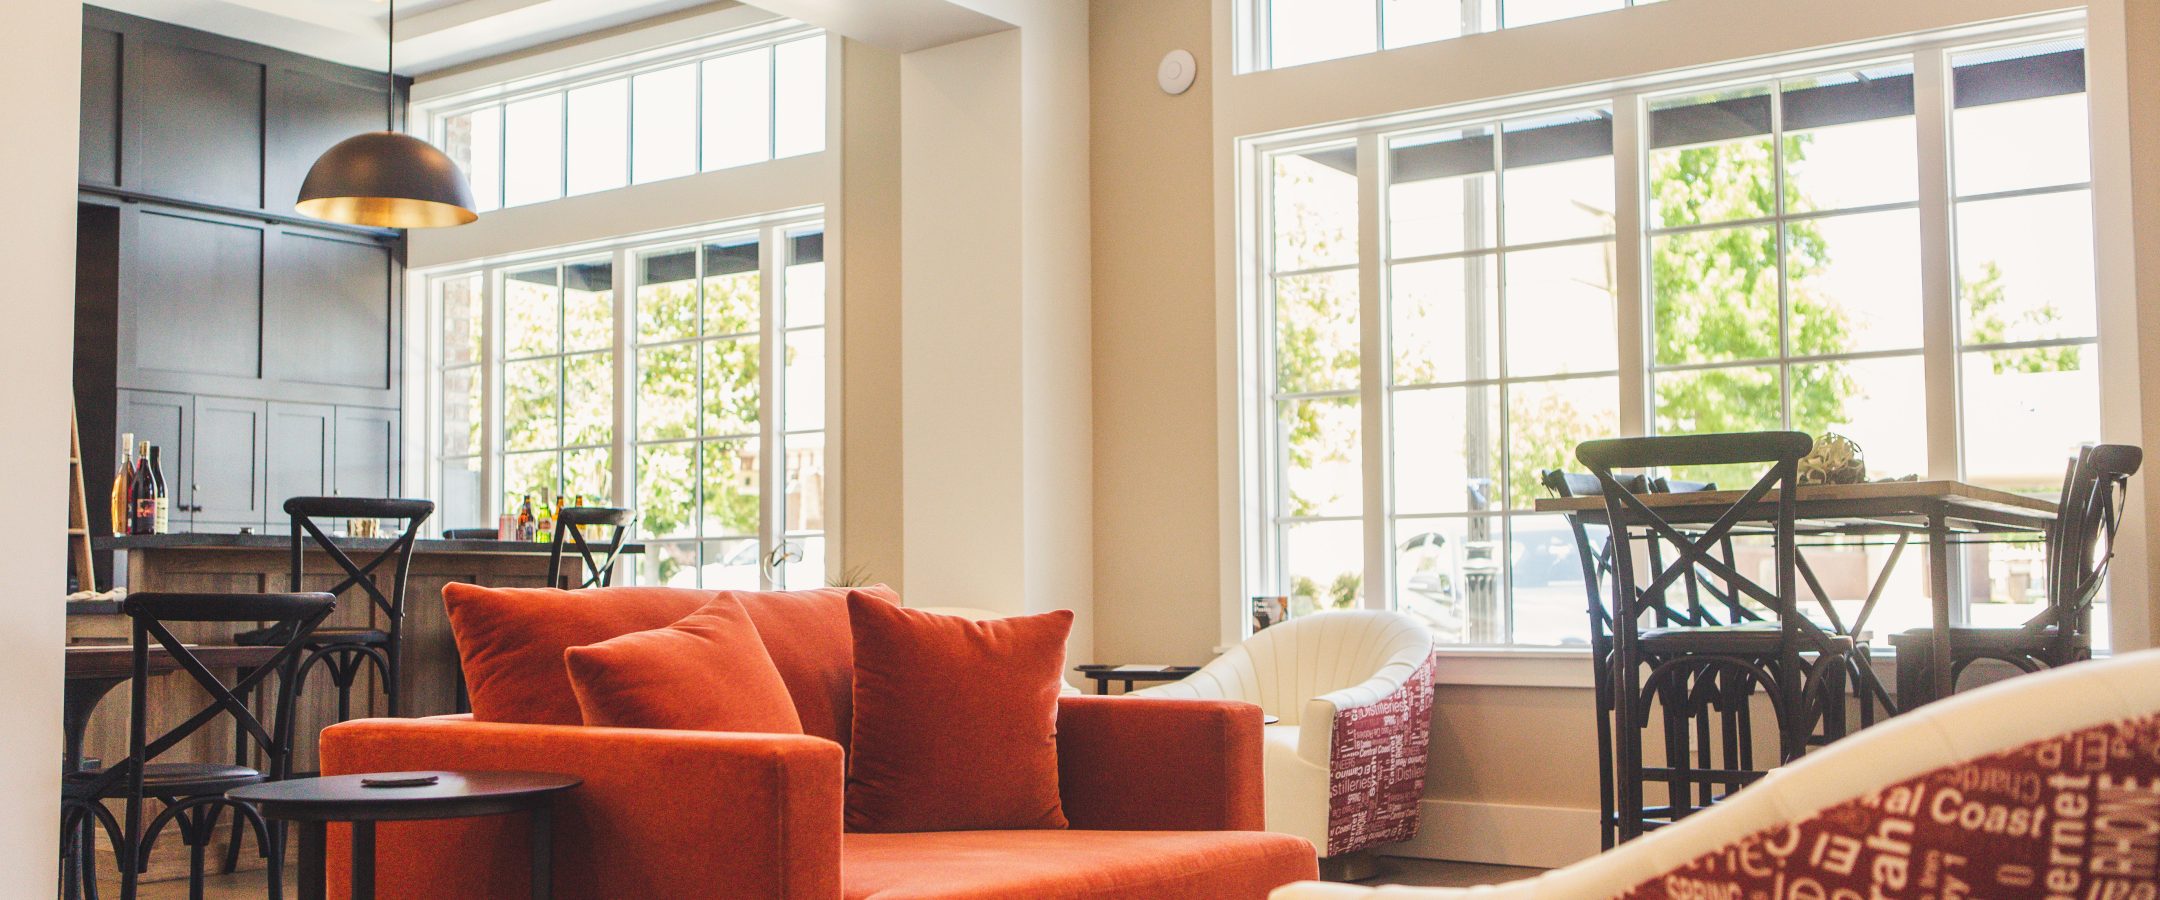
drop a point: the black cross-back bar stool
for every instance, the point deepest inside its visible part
(1709, 694)
(595, 570)
(2080, 544)
(193, 793)
(345, 651)
(1669, 664)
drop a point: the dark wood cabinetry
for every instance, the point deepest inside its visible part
(258, 348)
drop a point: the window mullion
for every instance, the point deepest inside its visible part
(1938, 263)
(1374, 372)
(772, 486)
(622, 456)
(491, 394)
(1631, 248)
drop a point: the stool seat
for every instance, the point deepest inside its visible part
(323, 637)
(1976, 637)
(1752, 638)
(327, 637)
(184, 779)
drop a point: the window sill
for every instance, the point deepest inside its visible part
(1561, 667)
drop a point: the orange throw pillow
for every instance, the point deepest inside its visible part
(955, 725)
(707, 672)
(511, 641)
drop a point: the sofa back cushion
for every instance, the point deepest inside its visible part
(807, 634)
(511, 641)
(706, 672)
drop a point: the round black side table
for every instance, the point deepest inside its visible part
(316, 802)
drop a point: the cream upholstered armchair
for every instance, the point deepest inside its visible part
(1345, 766)
(2038, 786)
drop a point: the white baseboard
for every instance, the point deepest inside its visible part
(1545, 837)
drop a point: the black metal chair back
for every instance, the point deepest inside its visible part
(1780, 451)
(597, 570)
(306, 530)
(299, 613)
(2082, 542)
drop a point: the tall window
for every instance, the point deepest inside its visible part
(716, 345)
(760, 98)
(1295, 32)
(1765, 238)
(1785, 262)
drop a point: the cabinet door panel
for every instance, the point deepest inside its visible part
(307, 114)
(194, 124)
(166, 420)
(300, 435)
(326, 311)
(100, 154)
(227, 474)
(366, 452)
(191, 298)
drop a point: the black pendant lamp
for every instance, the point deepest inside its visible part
(387, 179)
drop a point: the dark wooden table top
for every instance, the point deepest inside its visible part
(118, 660)
(283, 541)
(343, 798)
(1873, 507)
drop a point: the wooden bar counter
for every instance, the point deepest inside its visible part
(257, 563)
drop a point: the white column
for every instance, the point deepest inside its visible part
(995, 363)
(42, 64)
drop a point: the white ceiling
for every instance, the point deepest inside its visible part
(431, 34)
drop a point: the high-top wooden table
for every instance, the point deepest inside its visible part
(1945, 513)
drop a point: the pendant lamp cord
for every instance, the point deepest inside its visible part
(390, 72)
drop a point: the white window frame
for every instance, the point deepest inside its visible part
(429, 119)
(1260, 560)
(771, 231)
(1255, 47)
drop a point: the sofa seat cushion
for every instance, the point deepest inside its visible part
(1072, 865)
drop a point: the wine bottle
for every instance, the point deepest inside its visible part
(525, 520)
(143, 491)
(544, 527)
(164, 497)
(123, 503)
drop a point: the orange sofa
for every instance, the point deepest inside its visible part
(1164, 797)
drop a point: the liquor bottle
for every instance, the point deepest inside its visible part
(164, 496)
(525, 520)
(123, 504)
(142, 491)
(544, 528)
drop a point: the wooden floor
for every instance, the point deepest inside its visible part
(1393, 870)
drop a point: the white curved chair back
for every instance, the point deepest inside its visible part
(1994, 719)
(1282, 668)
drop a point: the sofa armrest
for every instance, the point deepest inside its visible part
(1159, 764)
(660, 813)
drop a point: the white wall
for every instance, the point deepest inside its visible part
(41, 67)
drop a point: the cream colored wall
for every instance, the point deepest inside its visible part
(995, 377)
(42, 60)
(1156, 586)
(863, 234)
(960, 324)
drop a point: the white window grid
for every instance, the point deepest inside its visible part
(777, 544)
(1256, 43)
(766, 38)
(1262, 560)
